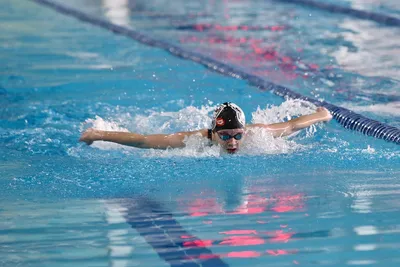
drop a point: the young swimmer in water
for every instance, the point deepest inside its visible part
(228, 130)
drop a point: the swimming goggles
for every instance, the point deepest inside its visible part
(226, 137)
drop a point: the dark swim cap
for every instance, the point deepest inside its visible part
(228, 116)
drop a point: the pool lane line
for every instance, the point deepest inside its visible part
(357, 13)
(167, 237)
(347, 118)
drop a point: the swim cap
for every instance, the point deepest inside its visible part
(228, 116)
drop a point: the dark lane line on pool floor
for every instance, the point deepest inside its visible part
(167, 237)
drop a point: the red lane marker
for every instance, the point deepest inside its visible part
(283, 208)
(281, 237)
(243, 241)
(277, 252)
(198, 243)
(243, 254)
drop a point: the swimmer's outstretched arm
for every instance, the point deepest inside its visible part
(159, 141)
(289, 127)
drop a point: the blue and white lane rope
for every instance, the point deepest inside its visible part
(345, 117)
(361, 14)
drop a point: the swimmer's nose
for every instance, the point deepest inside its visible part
(232, 141)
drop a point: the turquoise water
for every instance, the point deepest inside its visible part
(391, 8)
(331, 57)
(327, 196)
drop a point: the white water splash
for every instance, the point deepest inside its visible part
(101, 124)
(286, 111)
(368, 150)
(257, 141)
(196, 146)
(187, 119)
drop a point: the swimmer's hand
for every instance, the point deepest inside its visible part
(324, 114)
(91, 135)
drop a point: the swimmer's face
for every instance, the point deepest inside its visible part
(230, 140)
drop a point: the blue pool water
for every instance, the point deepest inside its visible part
(326, 196)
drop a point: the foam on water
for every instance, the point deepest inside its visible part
(286, 111)
(186, 119)
(105, 125)
(258, 141)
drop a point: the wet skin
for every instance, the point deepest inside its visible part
(231, 145)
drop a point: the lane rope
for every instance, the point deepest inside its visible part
(347, 118)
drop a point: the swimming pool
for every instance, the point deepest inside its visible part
(327, 196)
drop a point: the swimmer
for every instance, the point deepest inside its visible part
(228, 130)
